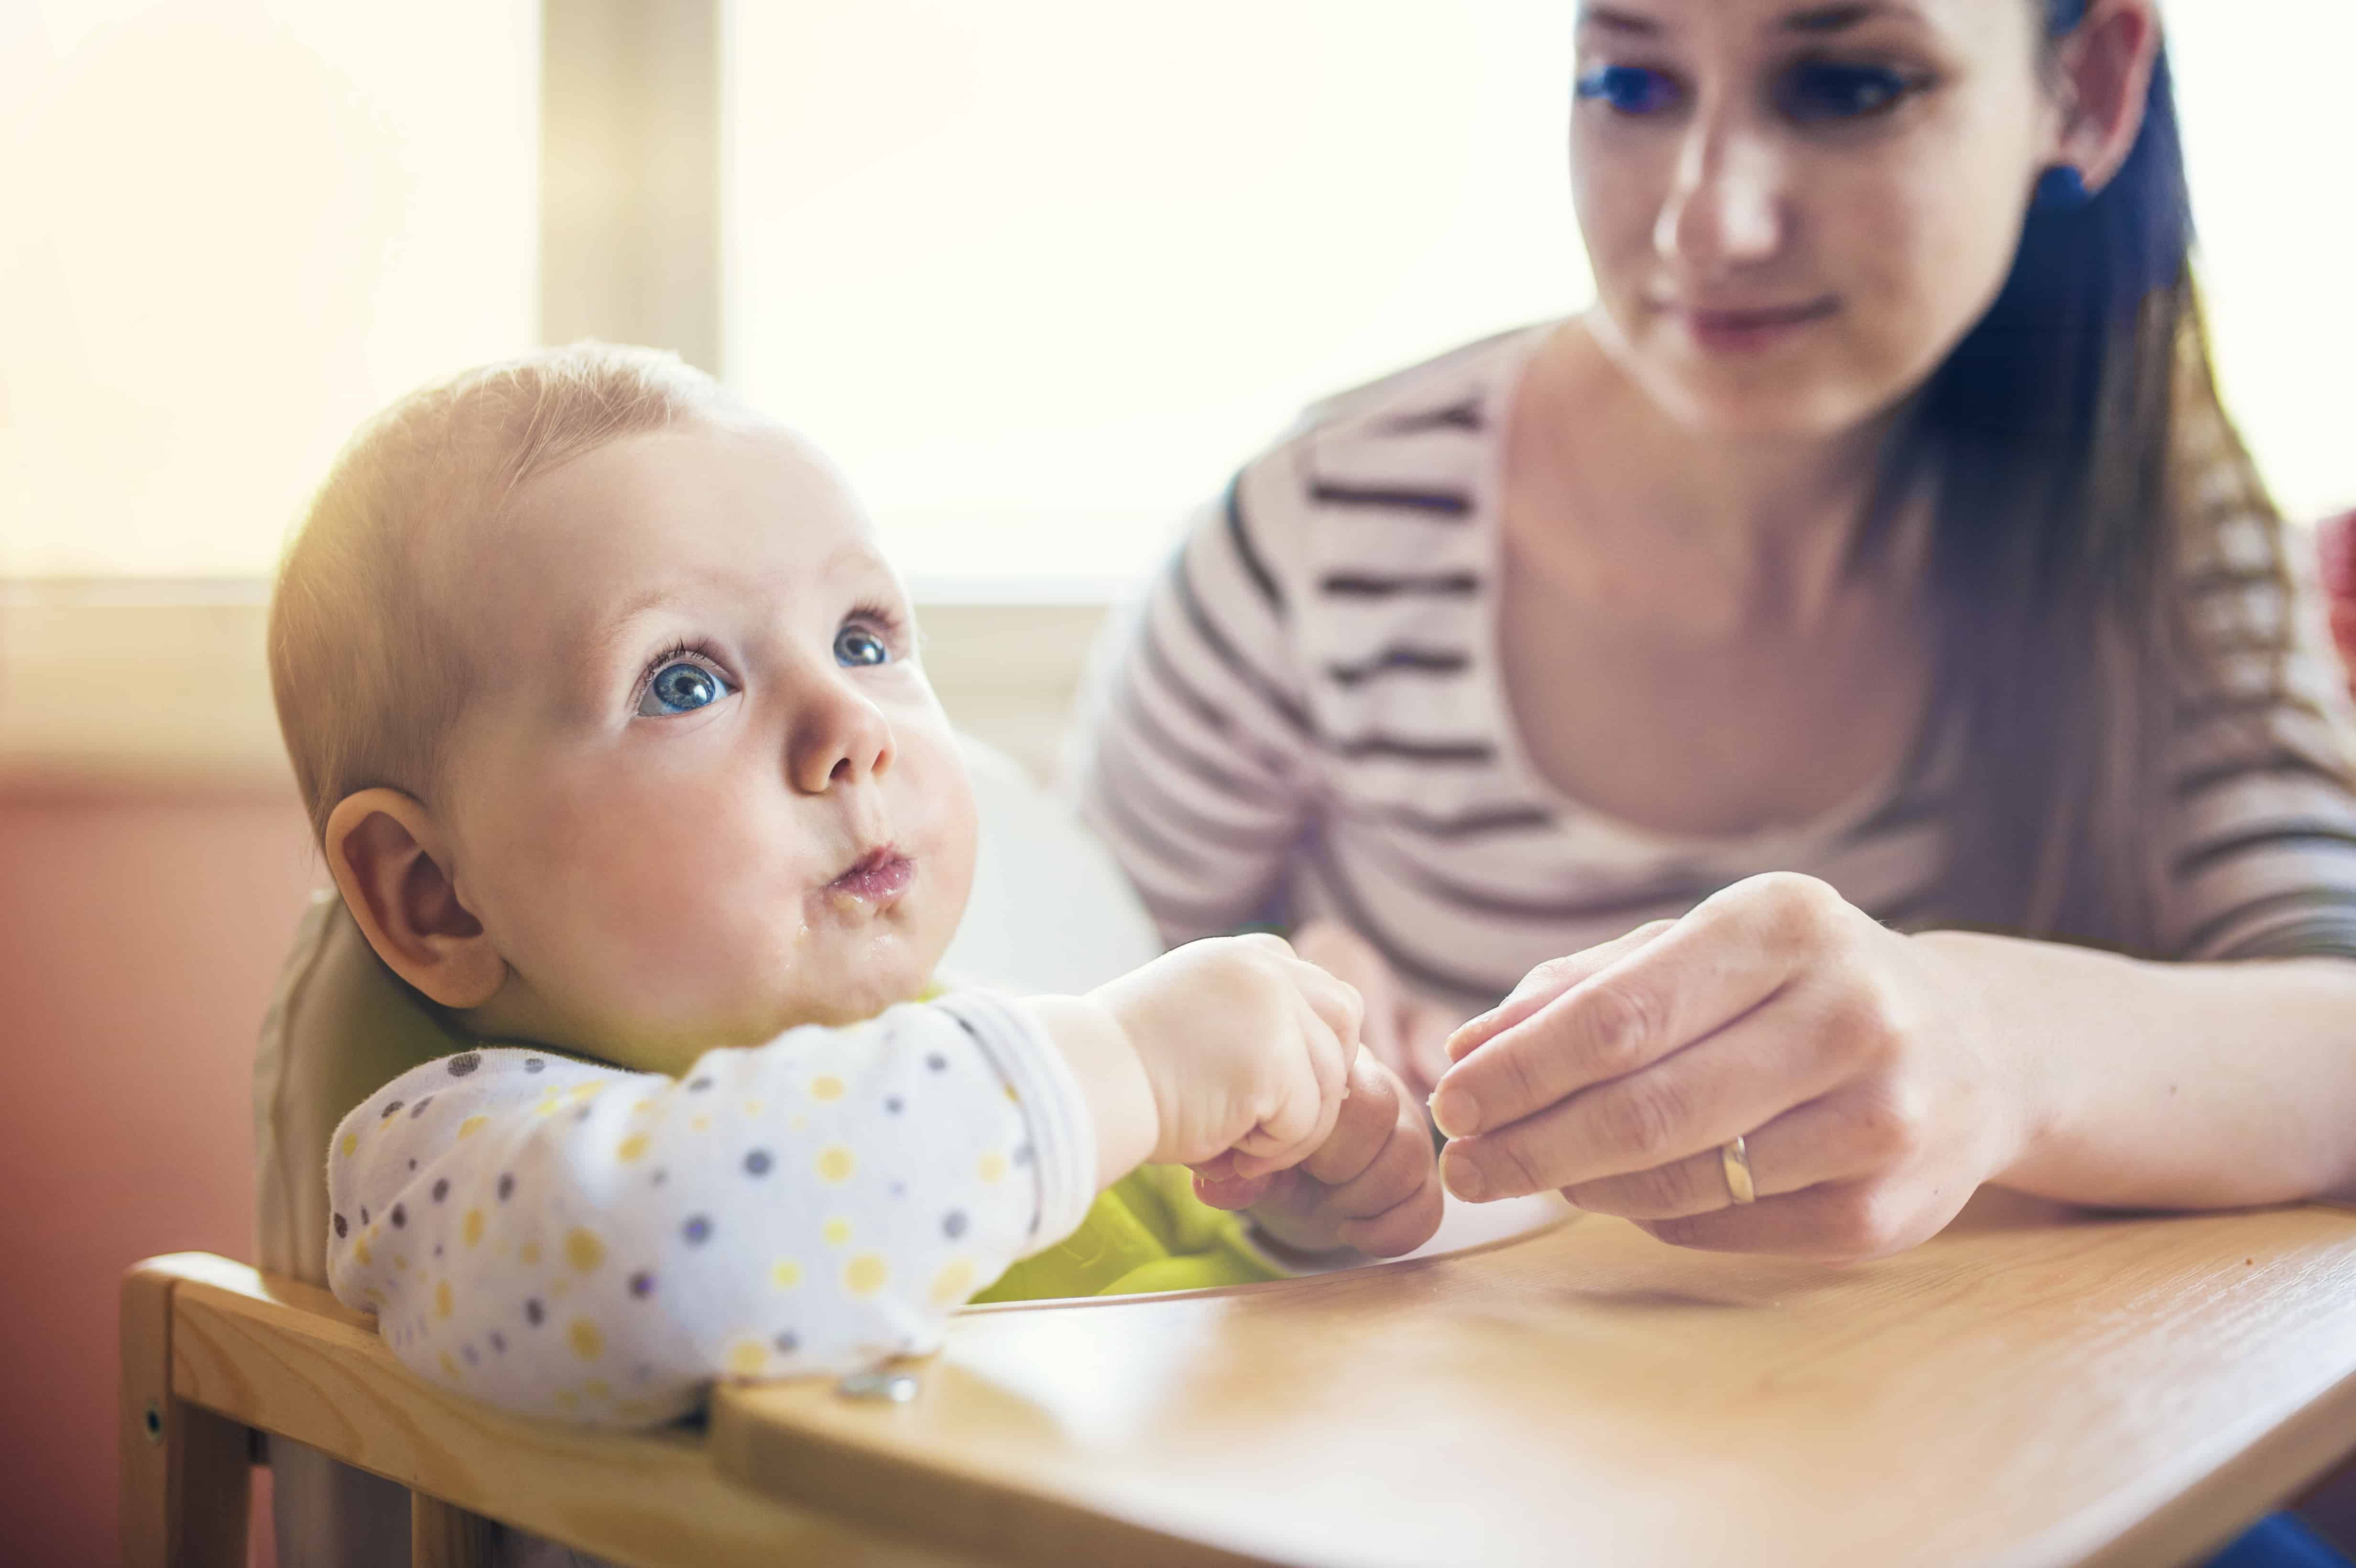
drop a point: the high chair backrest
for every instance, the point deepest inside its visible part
(1050, 913)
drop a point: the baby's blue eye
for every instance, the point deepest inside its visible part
(1821, 90)
(682, 687)
(1630, 89)
(855, 646)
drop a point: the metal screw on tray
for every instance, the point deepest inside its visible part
(881, 1384)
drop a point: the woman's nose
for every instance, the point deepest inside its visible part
(1725, 209)
(838, 738)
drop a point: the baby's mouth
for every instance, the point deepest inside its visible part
(878, 877)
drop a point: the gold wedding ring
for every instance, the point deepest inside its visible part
(1736, 1157)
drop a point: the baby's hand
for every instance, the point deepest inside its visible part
(1374, 1185)
(1246, 1047)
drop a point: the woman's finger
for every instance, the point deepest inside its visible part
(1837, 1223)
(1841, 1136)
(1732, 953)
(1544, 984)
(1734, 1081)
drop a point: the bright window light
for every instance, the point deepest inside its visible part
(231, 231)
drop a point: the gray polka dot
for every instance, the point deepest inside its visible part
(697, 1086)
(533, 1313)
(441, 1189)
(938, 1063)
(953, 1223)
(391, 1108)
(419, 1109)
(698, 1229)
(758, 1162)
(506, 1185)
(342, 1227)
(462, 1065)
(400, 1216)
(498, 1342)
(895, 1104)
(788, 1342)
(642, 1283)
(533, 1065)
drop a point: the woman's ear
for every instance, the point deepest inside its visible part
(393, 868)
(2106, 64)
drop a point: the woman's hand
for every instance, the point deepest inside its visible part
(1850, 1059)
(1404, 1032)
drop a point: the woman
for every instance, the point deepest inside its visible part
(1854, 662)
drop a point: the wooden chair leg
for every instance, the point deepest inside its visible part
(444, 1536)
(185, 1470)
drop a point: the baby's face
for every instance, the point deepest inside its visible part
(703, 790)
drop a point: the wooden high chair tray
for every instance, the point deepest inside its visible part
(2035, 1386)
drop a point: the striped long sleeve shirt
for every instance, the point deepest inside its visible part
(1305, 717)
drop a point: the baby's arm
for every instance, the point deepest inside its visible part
(597, 1246)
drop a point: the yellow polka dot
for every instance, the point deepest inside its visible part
(548, 1102)
(641, 1108)
(401, 1262)
(700, 1123)
(351, 1142)
(598, 1388)
(631, 1147)
(1013, 1096)
(582, 1250)
(449, 1367)
(826, 1087)
(953, 1284)
(560, 1286)
(865, 1273)
(529, 1252)
(567, 1399)
(835, 1164)
(993, 1166)
(471, 1125)
(584, 1093)
(472, 1227)
(360, 1251)
(837, 1230)
(787, 1274)
(748, 1358)
(588, 1339)
(753, 1107)
(442, 1298)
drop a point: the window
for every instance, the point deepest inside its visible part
(234, 228)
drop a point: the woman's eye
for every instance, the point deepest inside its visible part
(857, 645)
(682, 687)
(1820, 90)
(1631, 88)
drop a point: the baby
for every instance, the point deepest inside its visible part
(609, 718)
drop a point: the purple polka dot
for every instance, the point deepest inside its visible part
(788, 1343)
(462, 1065)
(419, 1109)
(400, 1216)
(364, 1216)
(468, 1352)
(413, 1165)
(642, 1283)
(506, 1185)
(498, 1342)
(758, 1162)
(938, 1063)
(533, 1065)
(895, 1104)
(391, 1108)
(341, 1227)
(953, 1223)
(698, 1229)
(533, 1312)
(659, 1178)
(441, 1189)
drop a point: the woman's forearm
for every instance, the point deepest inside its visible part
(2168, 1085)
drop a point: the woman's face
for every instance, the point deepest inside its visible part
(1795, 210)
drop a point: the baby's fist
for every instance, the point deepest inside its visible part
(1373, 1184)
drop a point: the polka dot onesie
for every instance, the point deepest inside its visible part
(597, 1245)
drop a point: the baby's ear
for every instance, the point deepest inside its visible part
(392, 866)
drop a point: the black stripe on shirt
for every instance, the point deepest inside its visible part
(2297, 899)
(1119, 774)
(1397, 748)
(1437, 504)
(2200, 781)
(1472, 825)
(1372, 585)
(1133, 825)
(1464, 415)
(1681, 895)
(1204, 770)
(2319, 938)
(1254, 567)
(1400, 660)
(1246, 673)
(2277, 836)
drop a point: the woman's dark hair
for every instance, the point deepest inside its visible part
(2084, 477)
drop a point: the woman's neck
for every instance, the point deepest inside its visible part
(1696, 535)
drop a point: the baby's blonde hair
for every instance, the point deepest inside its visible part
(368, 673)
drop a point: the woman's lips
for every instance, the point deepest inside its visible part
(878, 877)
(1738, 331)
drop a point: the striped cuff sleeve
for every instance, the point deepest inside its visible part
(1063, 1128)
